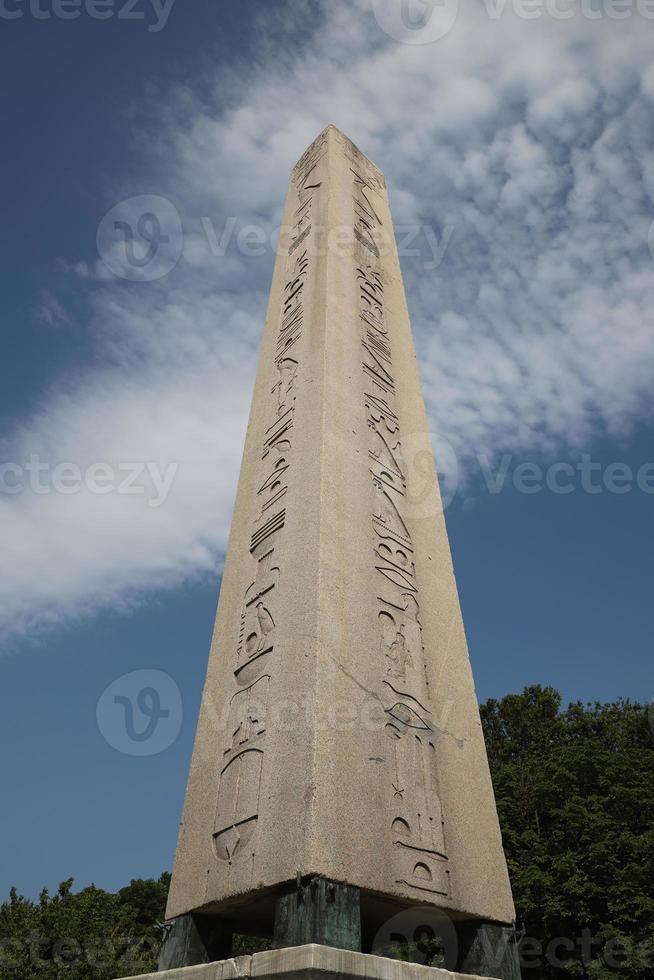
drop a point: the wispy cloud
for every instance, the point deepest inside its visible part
(51, 312)
(532, 142)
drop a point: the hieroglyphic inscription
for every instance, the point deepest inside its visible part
(305, 176)
(237, 810)
(361, 165)
(416, 824)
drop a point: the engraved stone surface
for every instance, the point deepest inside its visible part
(339, 733)
(310, 962)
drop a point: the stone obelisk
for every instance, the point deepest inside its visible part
(339, 771)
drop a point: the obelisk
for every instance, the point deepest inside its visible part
(339, 770)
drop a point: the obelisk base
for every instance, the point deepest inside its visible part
(194, 938)
(310, 962)
(318, 912)
(488, 947)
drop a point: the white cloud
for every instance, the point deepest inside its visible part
(533, 140)
(50, 311)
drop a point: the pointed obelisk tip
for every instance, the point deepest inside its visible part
(331, 131)
(333, 127)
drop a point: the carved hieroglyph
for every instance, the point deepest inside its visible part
(339, 732)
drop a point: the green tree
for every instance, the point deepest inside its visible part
(91, 933)
(575, 796)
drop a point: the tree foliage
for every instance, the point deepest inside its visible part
(575, 796)
(91, 933)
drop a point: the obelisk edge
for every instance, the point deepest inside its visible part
(331, 130)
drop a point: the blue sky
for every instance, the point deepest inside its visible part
(519, 155)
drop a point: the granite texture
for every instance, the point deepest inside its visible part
(339, 733)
